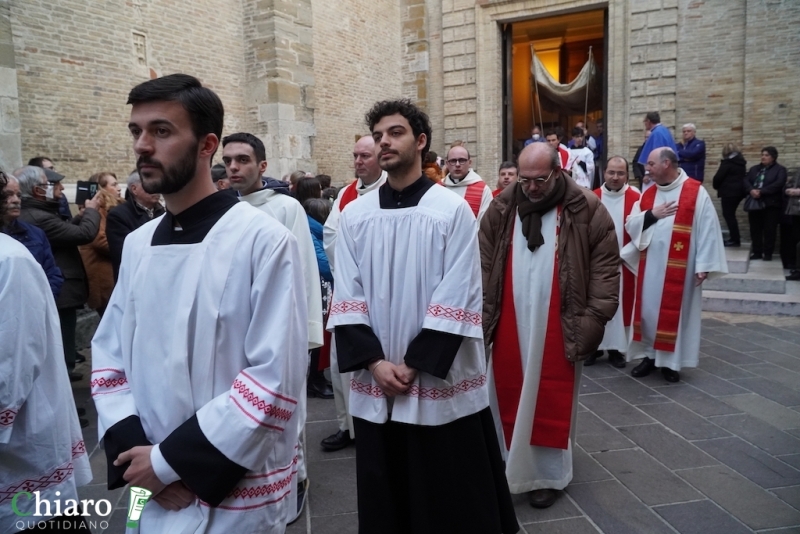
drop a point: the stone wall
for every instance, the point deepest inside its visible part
(10, 149)
(357, 62)
(77, 60)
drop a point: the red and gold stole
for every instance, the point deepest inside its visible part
(554, 400)
(628, 279)
(669, 314)
(349, 194)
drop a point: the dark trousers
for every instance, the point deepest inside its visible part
(796, 237)
(69, 323)
(763, 227)
(729, 205)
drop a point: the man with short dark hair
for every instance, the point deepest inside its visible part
(245, 159)
(618, 198)
(140, 207)
(406, 315)
(554, 138)
(465, 182)
(676, 244)
(41, 190)
(507, 175)
(549, 261)
(692, 153)
(659, 137)
(220, 177)
(200, 357)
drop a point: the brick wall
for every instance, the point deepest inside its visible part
(10, 149)
(75, 64)
(357, 62)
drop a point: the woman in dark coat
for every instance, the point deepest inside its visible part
(729, 183)
(765, 182)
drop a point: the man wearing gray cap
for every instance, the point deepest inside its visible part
(41, 190)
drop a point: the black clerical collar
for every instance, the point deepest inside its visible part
(407, 198)
(193, 224)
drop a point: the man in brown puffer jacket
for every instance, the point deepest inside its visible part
(544, 313)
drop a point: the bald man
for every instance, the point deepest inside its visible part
(369, 176)
(549, 260)
(465, 182)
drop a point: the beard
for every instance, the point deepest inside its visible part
(173, 178)
(404, 162)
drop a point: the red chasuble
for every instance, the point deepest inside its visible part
(669, 314)
(473, 196)
(553, 415)
(628, 280)
(349, 194)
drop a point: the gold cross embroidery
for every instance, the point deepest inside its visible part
(679, 246)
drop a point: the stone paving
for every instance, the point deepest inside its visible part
(718, 452)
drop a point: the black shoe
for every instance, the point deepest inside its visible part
(84, 422)
(542, 498)
(81, 412)
(302, 493)
(80, 358)
(337, 441)
(319, 387)
(793, 276)
(593, 358)
(644, 368)
(616, 359)
(75, 376)
(767, 257)
(670, 375)
(755, 256)
(731, 243)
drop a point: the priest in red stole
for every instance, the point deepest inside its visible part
(676, 244)
(618, 197)
(550, 266)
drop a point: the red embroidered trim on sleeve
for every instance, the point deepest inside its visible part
(78, 448)
(107, 381)
(460, 315)
(271, 409)
(258, 490)
(349, 306)
(7, 417)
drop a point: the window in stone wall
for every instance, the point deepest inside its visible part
(140, 49)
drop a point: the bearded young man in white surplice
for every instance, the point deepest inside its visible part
(652, 231)
(547, 298)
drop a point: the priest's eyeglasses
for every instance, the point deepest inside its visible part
(540, 181)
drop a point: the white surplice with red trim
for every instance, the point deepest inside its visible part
(616, 333)
(706, 254)
(218, 329)
(460, 188)
(529, 467)
(41, 444)
(399, 271)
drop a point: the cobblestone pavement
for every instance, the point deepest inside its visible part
(719, 452)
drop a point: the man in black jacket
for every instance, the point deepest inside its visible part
(140, 208)
(41, 191)
(765, 182)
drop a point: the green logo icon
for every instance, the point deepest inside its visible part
(139, 497)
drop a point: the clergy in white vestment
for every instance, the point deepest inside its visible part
(42, 454)
(245, 160)
(370, 176)
(581, 160)
(465, 182)
(407, 321)
(199, 360)
(550, 265)
(618, 197)
(676, 244)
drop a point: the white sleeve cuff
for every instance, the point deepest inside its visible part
(162, 469)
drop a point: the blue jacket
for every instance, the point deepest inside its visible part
(659, 137)
(322, 259)
(692, 158)
(37, 244)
